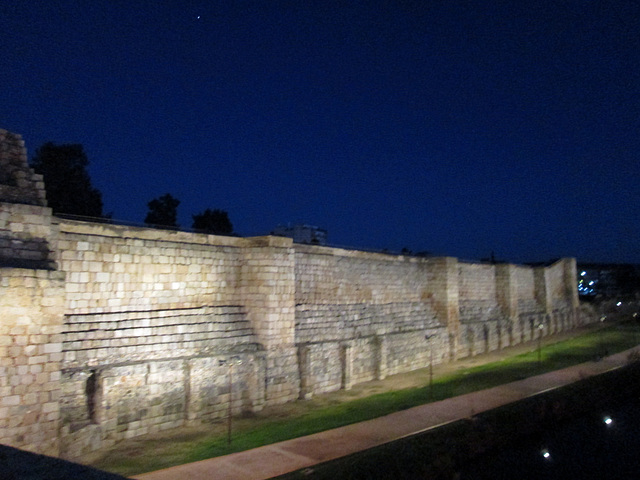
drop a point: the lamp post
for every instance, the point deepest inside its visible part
(540, 328)
(428, 339)
(230, 363)
(603, 352)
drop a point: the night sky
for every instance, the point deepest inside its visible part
(455, 127)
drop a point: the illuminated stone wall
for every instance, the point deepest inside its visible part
(506, 304)
(18, 183)
(366, 312)
(479, 309)
(110, 332)
(302, 319)
(268, 289)
(114, 268)
(31, 306)
(32, 303)
(157, 319)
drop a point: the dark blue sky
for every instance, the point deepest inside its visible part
(457, 127)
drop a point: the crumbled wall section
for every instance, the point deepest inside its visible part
(26, 236)
(526, 290)
(18, 182)
(526, 303)
(26, 226)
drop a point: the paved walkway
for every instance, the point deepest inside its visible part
(304, 452)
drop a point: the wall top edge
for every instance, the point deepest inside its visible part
(344, 252)
(270, 241)
(354, 253)
(146, 233)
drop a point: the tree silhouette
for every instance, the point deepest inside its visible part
(213, 221)
(67, 183)
(163, 211)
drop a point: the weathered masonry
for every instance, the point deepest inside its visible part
(108, 331)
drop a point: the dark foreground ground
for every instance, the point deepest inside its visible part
(20, 465)
(602, 444)
(556, 435)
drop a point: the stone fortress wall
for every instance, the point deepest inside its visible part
(109, 332)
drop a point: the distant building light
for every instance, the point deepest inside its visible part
(608, 420)
(583, 273)
(618, 304)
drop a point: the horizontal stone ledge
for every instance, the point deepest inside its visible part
(143, 234)
(370, 337)
(77, 327)
(160, 312)
(101, 343)
(257, 352)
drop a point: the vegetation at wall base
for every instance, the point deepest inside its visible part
(150, 455)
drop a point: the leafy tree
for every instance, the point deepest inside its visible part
(213, 221)
(163, 211)
(67, 183)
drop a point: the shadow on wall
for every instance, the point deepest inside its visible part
(19, 464)
(32, 253)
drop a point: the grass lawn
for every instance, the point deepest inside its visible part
(151, 454)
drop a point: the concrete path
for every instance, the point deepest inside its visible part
(304, 452)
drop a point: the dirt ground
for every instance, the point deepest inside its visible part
(170, 440)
